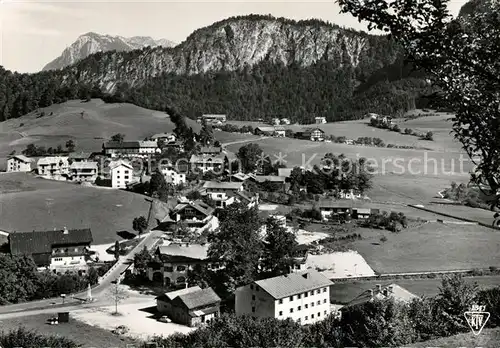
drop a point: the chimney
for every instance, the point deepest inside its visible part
(65, 230)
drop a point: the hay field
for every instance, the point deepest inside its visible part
(41, 204)
(430, 247)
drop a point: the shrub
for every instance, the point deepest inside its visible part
(396, 128)
(428, 136)
(383, 239)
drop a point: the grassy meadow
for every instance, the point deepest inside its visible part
(39, 204)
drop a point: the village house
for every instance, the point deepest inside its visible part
(338, 208)
(313, 134)
(205, 163)
(214, 118)
(83, 171)
(176, 145)
(173, 260)
(240, 177)
(131, 148)
(320, 120)
(122, 173)
(192, 306)
(57, 250)
(303, 297)
(210, 150)
(54, 168)
(19, 163)
(226, 193)
(381, 293)
(279, 181)
(172, 174)
(275, 121)
(197, 215)
(276, 131)
(285, 121)
(165, 137)
(79, 157)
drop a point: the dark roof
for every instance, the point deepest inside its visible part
(39, 242)
(201, 206)
(211, 149)
(79, 155)
(200, 298)
(122, 145)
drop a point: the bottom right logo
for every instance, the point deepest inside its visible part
(477, 318)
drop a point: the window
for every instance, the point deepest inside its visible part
(281, 312)
(291, 298)
(299, 308)
(312, 293)
(251, 286)
(324, 301)
(118, 177)
(299, 296)
(253, 297)
(319, 314)
(280, 301)
(253, 309)
(291, 310)
(325, 313)
(125, 172)
(318, 303)
(324, 289)
(312, 304)
(126, 177)
(312, 316)
(256, 288)
(181, 268)
(305, 294)
(318, 291)
(306, 317)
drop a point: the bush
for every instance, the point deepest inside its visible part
(383, 239)
(396, 128)
(428, 136)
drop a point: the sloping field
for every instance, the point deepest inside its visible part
(430, 247)
(476, 214)
(44, 205)
(99, 122)
(489, 338)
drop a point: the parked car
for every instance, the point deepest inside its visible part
(165, 319)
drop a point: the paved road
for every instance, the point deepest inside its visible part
(51, 305)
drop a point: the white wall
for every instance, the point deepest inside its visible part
(121, 176)
(15, 165)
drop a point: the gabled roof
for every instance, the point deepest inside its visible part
(162, 135)
(173, 294)
(211, 149)
(394, 291)
(119, 163)
(222, 185)
(148, 143)
(39, 242)
(22, 158)
(201, 206)
(83, 165)
(80, 155)
(271, 129)
(214, 115)
(294, 283)
(285, 172)
(189, 251)
(52, 159)
(122, 145)
(341, 203)
(200, 298)
(207, 159)
(241, 176)
(310, 130)
(271, 178)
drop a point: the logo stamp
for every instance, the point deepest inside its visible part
(477, 318)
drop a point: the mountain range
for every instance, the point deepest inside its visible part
(91, 43)
(248, 67)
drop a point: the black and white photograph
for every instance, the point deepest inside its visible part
(188, 174)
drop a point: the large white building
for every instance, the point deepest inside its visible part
(122, 173)
(83, 171)
(173, 176)
(55, 167)
(131, 148)
(302, 296)
(19, 163)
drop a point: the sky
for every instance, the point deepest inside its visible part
(33, 33)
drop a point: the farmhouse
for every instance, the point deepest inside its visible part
(131, 148)
(191, 306)
(122, 173)
(277, 131)
(174, 260)
(83, 171)
(19, 163)
(177, 145)
(59, 250)
(196, 214)
(320, 120)
(380, 293)
(285, 121)
(279, 181)
(55, 168)
(226, 193)
(302, 296)
(172, 175)
(166, 137)
(338, 208)
(214, 118)
(313, 134)
(205, 163)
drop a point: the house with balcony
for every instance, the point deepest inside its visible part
(172, 174)
(192, 306)
(222, 193)
(214, 118)
(173, 260)
(141, 149)
(313, 134)
(276, 131)
(83, 171)
(53, 168)
(197, 215)
(19, 163)
(206, 163)
(176, 145)
(57, 250)
(302, 296)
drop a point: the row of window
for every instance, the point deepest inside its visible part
(312, 316)
(305, 294)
